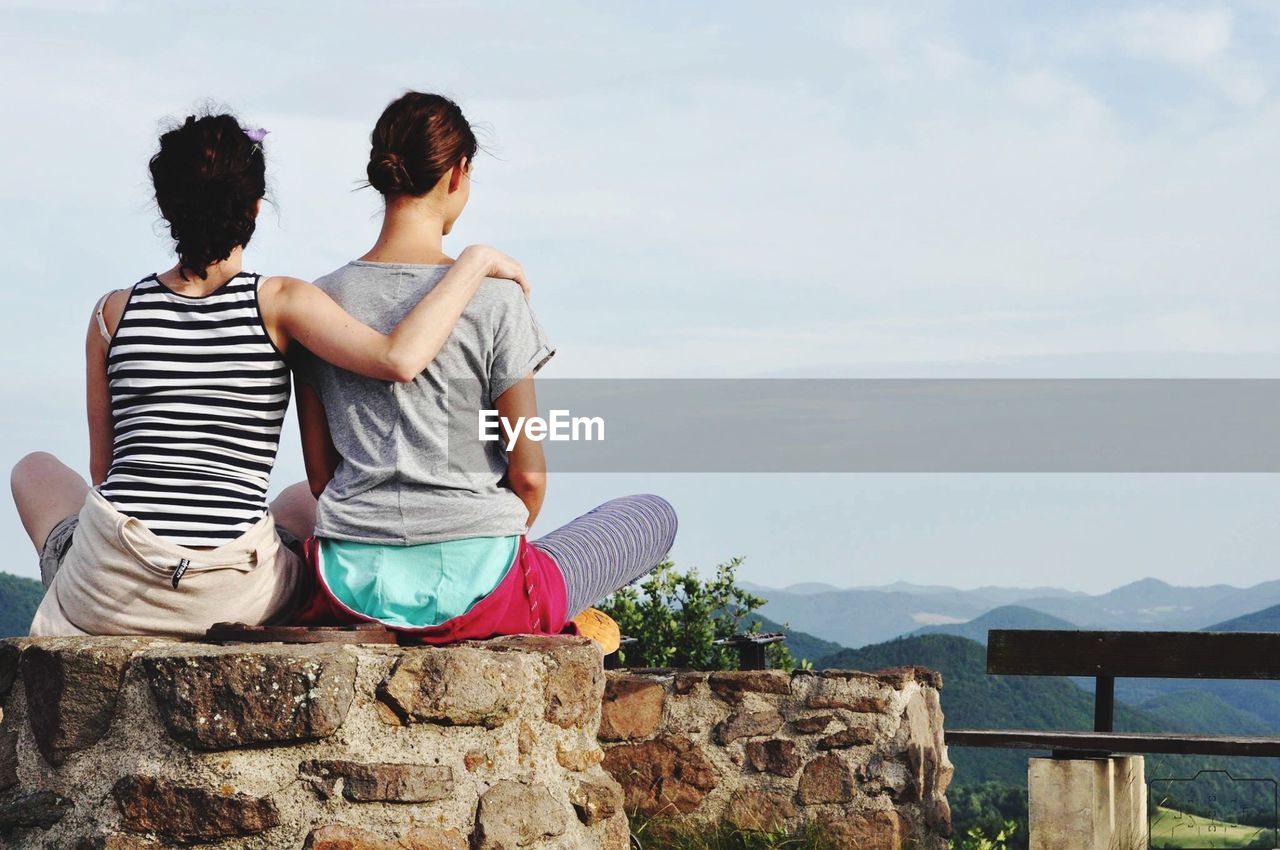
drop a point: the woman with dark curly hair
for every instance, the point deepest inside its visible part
(187, 390)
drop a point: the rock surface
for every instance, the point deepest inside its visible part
(632, 708)
(272, 747)
(385, 783)
(218, 698)
(768, 750)
(424, 687)
(669, 773)
(189, 814)
(514, 814)
(71, 689)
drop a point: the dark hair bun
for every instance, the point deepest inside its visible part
(418, 138)
(387, 174)
(208, 176)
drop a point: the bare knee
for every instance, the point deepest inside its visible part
(33, 465)
(36, 469)
(666, 520)
(295, 509)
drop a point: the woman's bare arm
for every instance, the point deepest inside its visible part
(526, 464)
(318, 452)
(102, 427)
(295, 310)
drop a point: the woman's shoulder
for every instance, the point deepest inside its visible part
(108, 310)
(501, 294)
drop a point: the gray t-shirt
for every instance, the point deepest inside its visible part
(395, 483)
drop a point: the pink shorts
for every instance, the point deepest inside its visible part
(530, 599)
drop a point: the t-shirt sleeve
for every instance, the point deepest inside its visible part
(520, 346)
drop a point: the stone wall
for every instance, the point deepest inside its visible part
(860, 753)
(130, 744)
(125, 744)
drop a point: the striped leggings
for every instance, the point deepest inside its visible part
(610, 546)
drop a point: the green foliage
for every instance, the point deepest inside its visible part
(661, 833)
(676, 617)
(989, 808)
(19, 598)
(976, 838)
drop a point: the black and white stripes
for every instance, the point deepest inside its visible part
(198, 394)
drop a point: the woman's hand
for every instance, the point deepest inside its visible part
(499, 265)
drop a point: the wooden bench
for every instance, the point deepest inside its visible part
(1107, 656)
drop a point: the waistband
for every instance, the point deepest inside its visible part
(256, 545)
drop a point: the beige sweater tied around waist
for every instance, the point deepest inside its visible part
(118, 578)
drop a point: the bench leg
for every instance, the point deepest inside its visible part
(1087, 804)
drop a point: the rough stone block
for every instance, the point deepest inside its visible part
(218, 698)
(382, 782)
(851, 694)
(852, 736)
(120, 841)
(32, 810)
(747, 724)
(663, 775)
(575, 683)
(732, 684)
(578, 758)
(810, 725)
(514, 814)
(596, 800)
(188, 814)
(759, 810)
(342, 837)
(455, 685)
(632, 707)
(876, 830)
(776, 755)
(72, 688)
(684, 681)
(826, 779)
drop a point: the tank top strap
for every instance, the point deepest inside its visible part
(97, 312)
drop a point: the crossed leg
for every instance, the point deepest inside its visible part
(46, 491)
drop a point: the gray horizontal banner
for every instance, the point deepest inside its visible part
(884, 425)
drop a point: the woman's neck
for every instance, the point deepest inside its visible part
(214, 276)
(412, 232)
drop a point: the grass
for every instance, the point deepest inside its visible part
(669, 834)
(1173, 829)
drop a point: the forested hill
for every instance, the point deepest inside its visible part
(18, 600)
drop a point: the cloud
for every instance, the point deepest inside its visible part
(1196, 37)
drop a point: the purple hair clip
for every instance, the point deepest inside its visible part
(256, 136)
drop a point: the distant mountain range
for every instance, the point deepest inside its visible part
(1004, 617)
(861, 616)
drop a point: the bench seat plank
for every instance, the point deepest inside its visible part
(1115, 742)
(1161, 655)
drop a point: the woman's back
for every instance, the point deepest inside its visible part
(198, 395)
(397, 482)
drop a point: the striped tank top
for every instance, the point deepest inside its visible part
(198, 394)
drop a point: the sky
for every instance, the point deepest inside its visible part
(934, 189)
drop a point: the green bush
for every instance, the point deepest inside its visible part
(675, 617)
(976, 839)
